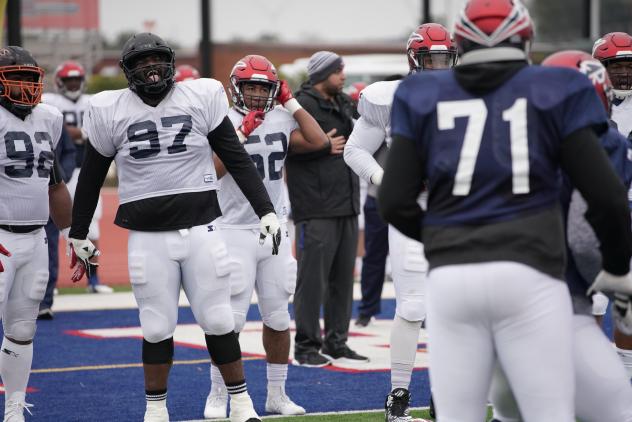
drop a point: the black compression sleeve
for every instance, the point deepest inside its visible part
(226, 145)
(93, 171)
(401, 186)
(587, 165)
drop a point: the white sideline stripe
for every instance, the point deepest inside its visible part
(125, 300)
(307, 415)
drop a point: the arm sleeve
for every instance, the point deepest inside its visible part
(400, 188)
(364, 141)
(226, 145)
(93, 171)
(56, 173)
(587, 165)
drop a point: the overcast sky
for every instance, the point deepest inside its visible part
(290, 20)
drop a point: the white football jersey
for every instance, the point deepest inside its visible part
(73, 111)
(26, 158)
(267, 146)
(160, 150)
(622, 116)
(375, 105)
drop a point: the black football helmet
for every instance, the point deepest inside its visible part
(151, 81)
(21, 81)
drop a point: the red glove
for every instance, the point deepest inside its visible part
(285, 93)
(251, 121)
(4, 252)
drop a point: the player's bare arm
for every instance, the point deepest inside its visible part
(59, 201)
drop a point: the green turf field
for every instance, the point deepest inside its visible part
(376, 416)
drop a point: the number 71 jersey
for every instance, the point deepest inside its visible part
(26, 158)
(267, 146)
(160, 150)
(493, 157)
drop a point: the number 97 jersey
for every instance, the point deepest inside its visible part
(494, 157)
(267, 146)
(26, 158)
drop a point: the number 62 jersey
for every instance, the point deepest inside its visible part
(26, 158)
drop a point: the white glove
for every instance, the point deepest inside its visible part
(606, 282)
(623, 313)
(376, 178)
(81, 251)
(270, 226)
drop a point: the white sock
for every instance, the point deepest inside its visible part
(404, 337)
(277, 375)
(217, 381)
(15, 366)
(626, 358)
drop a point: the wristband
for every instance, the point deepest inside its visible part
(242, 138)
(292, 105)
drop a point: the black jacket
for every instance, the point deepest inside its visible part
(321, 185)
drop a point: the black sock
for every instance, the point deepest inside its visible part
(236, 387)
(156, 395)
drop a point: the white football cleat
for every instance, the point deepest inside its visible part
(216, 404)
(278, 402)
(14, 410)
(156, 414)
(241, 409)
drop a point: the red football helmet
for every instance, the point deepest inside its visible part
(488, 23)
(430, 46)
(589, 66)
(185, 72)
(253, 69)
(354, 91)
(70, 70)
(614, 50)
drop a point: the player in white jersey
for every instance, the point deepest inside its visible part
(162, 136)
(30, 186)
(429, 47)
(269, 133)
(614, 50)
(72, 101)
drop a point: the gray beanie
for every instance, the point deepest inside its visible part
(322, 64)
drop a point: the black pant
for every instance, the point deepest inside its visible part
(374, 261)
(326, 250)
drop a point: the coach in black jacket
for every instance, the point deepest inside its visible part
(325, 198)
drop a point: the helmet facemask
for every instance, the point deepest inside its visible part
(245, 98)
(620, 72)
(434, 59)
(22, 88)
(150, 74)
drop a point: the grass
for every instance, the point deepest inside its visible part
(82, 289)
(376, 416)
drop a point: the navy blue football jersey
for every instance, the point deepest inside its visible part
(495, 157)
(584, 258)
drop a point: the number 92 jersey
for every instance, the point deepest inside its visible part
(160, 150)
(26, 158)
(267, 146)
(495, 157)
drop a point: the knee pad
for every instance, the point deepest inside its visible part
(277, 320)
(23, 330)
(217, 320)
(223, 349)
(158, 353)
(240, 321)
(411, 310)
(155, 327)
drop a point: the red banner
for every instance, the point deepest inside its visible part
(60, 14)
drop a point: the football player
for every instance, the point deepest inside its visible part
(72, 101)
(162, 136)
(269, 132)
(31, 187)
(602, 388)
(488, 139)
(429, 47)
(186, 72)
(614, 50)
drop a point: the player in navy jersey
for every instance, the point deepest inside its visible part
(602, 390)
(488, 140)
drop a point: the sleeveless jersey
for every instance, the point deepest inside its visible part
(160, 150)
(26, 158)
(267, 146)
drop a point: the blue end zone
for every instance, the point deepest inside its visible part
(118, 394)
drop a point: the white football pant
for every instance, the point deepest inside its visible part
(409, 267)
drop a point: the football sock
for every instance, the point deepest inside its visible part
(404, 337)
(626, 358)
(216, 378)
(15, 366)
(237, 389)
(277, 375)
(156, 398)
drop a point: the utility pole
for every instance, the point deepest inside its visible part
(14, 22)
(595, 19)
(426, 16)
(206, 47)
